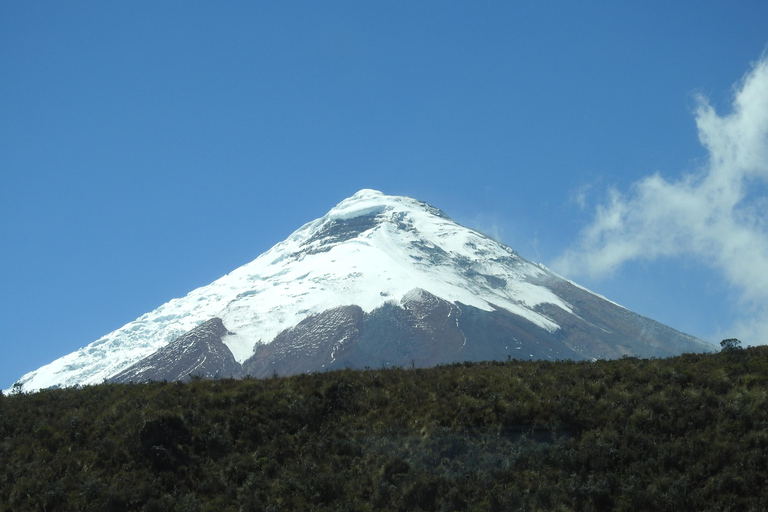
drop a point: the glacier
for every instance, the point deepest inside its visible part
(368, 250)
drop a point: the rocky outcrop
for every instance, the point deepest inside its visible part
(198, 353)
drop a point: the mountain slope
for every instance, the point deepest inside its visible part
(200, 352)
(402, 281)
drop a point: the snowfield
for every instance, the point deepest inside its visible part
(369, 249)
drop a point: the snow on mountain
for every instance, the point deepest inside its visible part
(369, 250)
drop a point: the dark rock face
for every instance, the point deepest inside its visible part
(603, 330)
(314, 344)
(339, 231)
(499, 335)
(421, 331)
(198, 353)
(426, 331)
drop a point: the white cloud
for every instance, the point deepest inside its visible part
(579, 196)
(717, 215)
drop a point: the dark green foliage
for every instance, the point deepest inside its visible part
(686, 433)
(730, 345)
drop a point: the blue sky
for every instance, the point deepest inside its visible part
(147, 148)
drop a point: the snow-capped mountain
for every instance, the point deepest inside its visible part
(379, 280)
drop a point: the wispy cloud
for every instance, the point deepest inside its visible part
(579, 195)
(718, 214)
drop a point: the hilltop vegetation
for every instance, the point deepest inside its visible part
(686, 433)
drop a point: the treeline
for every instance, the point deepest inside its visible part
(686, 433)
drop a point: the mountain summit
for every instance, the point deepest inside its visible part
(379, 280)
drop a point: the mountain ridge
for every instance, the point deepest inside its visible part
(371, 251)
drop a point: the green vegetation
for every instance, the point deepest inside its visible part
(686, 433)
(730, 345)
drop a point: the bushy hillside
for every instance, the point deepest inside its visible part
(686, 433)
